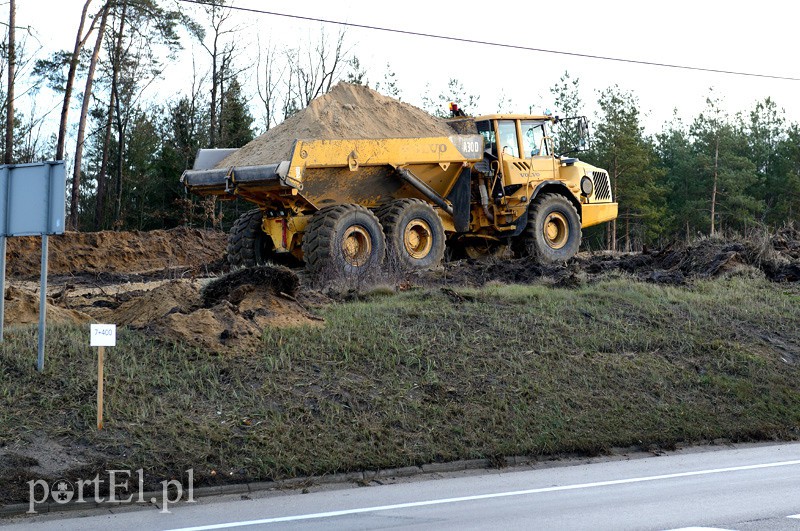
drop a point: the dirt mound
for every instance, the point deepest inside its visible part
(227, 314)
(76, 253)
(777, 257)
(142, 309)
(22, 308)
(347, 111)
(234, 286)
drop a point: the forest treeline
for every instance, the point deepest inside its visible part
(127, 149)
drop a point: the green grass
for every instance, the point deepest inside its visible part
(425, 376)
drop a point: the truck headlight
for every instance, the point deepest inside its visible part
(587, 186)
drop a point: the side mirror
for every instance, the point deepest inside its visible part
(583, 134)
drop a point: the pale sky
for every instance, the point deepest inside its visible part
(756, 37)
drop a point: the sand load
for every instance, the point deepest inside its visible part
(347, 111)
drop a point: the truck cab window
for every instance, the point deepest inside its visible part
(532, 135)
(489, 141)
(507, 131)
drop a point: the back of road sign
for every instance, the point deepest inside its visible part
(32, 199)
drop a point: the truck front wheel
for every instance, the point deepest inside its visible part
(248, 244)
(414, 234)
(553, 232)
(344, 240)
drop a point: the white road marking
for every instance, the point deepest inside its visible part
(700, 529)
(344, 512)
(794, 516)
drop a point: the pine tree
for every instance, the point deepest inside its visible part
(631, 161)
(766, 134)
(721, 148)
(356, 73)
(567, 104)
(388, 87)
(787, 209)
(686, 197)
(235, 120)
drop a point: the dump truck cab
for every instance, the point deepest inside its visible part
(521, 164)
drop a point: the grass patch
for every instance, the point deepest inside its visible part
(419, 377)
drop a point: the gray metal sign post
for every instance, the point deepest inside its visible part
(2, 285)
(32, 203)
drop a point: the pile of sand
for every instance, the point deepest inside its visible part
(22, 308)
(75, 253)
(347, 111)
(227, 314)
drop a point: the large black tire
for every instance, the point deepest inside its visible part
(344, 240)
(414, 234)
(248, 244)
(553, 232)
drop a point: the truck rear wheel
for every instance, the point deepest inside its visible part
(553, 232)
(414, 233)
(344, 239)
(248, 244)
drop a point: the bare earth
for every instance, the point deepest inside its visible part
(175, 284)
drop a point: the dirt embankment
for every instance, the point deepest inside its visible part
(776, 256)
(81, 253)
(347, 111)
(230, 312)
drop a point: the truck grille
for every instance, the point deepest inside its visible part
(602, 186)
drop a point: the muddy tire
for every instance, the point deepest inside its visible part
(248, 244)
(414, 234)
(344, 240)
(553, 232)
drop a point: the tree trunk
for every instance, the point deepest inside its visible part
(87, 97)
(80, 41)
(714, 189)
(221, 140)
(614, 221)
(12, 60)
(120, 159)
(212, 135)
(120, 124)
(102, 177)
(628, 230)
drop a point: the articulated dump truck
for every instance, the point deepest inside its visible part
(350, 205)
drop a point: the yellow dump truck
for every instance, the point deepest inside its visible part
(349, 205)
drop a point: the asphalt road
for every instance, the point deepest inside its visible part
(747, 488)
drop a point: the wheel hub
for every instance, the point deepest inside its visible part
(418, 239)
(556, 230)
(356, 246)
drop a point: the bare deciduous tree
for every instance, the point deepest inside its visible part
(12, 21)
(315, 69)
(268, 87)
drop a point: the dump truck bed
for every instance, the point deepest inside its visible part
(360, 171)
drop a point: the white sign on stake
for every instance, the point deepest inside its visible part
(103, 335)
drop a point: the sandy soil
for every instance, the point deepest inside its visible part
(109, 252)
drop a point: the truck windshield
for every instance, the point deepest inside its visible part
(532, 135)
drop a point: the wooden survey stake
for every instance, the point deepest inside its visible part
(101, 353)
(101, 336)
